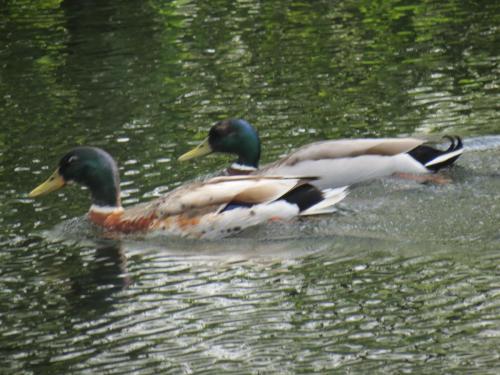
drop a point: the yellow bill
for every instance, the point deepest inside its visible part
(202, 149)
(53, 183)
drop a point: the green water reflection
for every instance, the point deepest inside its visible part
(404, 279)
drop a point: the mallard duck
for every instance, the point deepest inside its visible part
(335, 162)
(214, 208)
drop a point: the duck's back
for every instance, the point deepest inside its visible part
(338, 163)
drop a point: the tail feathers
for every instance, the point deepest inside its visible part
(304, 196)
(309, 199)
(330, 198)
(434, 159)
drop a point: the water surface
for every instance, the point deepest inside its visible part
(403, 278)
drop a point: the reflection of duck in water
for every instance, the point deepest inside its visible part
(335, 162)
(94, 283)
(213, 208)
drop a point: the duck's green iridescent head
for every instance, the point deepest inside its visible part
(90, 167)
(234, 136)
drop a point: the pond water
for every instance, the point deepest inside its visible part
(403, 278)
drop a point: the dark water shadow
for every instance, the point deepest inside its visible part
(92, 291)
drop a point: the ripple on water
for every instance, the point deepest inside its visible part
(332, 305)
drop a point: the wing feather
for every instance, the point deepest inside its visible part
(209, 196)
(349, 148)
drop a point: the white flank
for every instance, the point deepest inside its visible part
(333, 173)
(230, 222)
(404, 163)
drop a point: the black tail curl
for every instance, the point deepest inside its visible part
(425, 154)
(455, 143)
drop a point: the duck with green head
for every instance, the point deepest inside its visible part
(236, 137)
(335, 163)
(210, 209)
